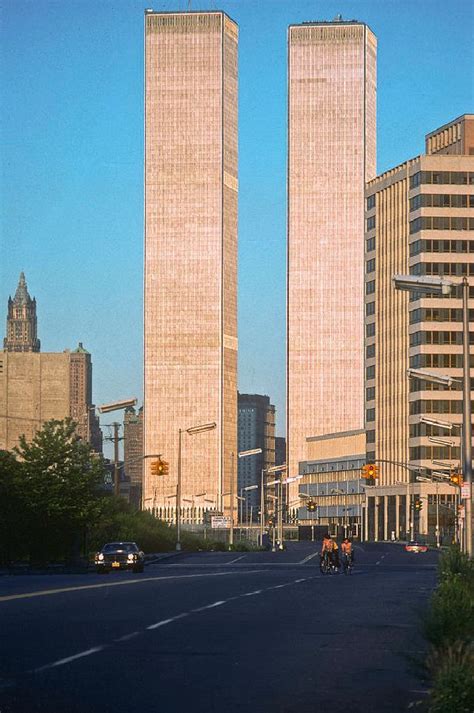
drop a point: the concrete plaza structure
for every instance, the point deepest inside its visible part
(331, 155)
(190, 292)
(419, 221)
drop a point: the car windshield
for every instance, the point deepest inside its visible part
(120, 547)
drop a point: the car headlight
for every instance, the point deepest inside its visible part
(131, 557)
(100, 557)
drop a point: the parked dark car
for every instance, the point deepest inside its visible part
(119, 555)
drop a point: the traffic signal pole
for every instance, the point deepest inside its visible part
(466, 420)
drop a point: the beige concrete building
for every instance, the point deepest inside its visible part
(190, 352)
(36, 387)
(331, 155)
(419, 221)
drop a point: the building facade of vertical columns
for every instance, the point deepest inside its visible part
(331, 153)
(190, 291)
(419, 222)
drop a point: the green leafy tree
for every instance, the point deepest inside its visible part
(61, 489)
(12, 509)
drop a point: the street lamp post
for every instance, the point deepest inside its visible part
(241, 454)
(433, 285)
(107, 408)
(272, 469)
(191, 431)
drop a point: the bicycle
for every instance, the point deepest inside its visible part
(327, 565)
(347, 563)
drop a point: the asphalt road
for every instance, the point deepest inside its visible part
(218, 633)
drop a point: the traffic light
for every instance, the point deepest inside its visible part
(456, 479)
(159, 467)
(370, 471)
(418, 505)
(311, 506)
(163, 467)
(271, 521)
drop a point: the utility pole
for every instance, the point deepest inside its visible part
(116, 459)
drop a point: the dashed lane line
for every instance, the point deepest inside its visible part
(166, 621)
(210, 606)
(309, 557)
(159, 624)
(127, 637)
(69, 659)
(237, 559)
(121, 583)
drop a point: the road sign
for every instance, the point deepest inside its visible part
(220, 521)
(466, 491)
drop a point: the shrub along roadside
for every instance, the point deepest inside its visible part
(119, 522)
(449, 628)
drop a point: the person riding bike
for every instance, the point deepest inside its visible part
(346, 549)
(329, 549)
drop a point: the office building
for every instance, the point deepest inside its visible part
(133, 452)
(419, 221)
(331, 155)
(280, 450)
(190, 292)
(256, 430)
(334, 484)
(37, 386)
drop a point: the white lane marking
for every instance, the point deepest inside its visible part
(237, 559)
(142, 580)
(166, 621)
(211, 606)
(127, 637)
(377, 563)
(308, 558)
(163, 622)
(61, 662)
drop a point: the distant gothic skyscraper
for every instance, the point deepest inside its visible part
(21, 321)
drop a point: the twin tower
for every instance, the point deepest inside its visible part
(191, 191)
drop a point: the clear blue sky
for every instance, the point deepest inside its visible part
(72, 160)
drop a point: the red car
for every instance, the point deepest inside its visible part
(416, 547)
